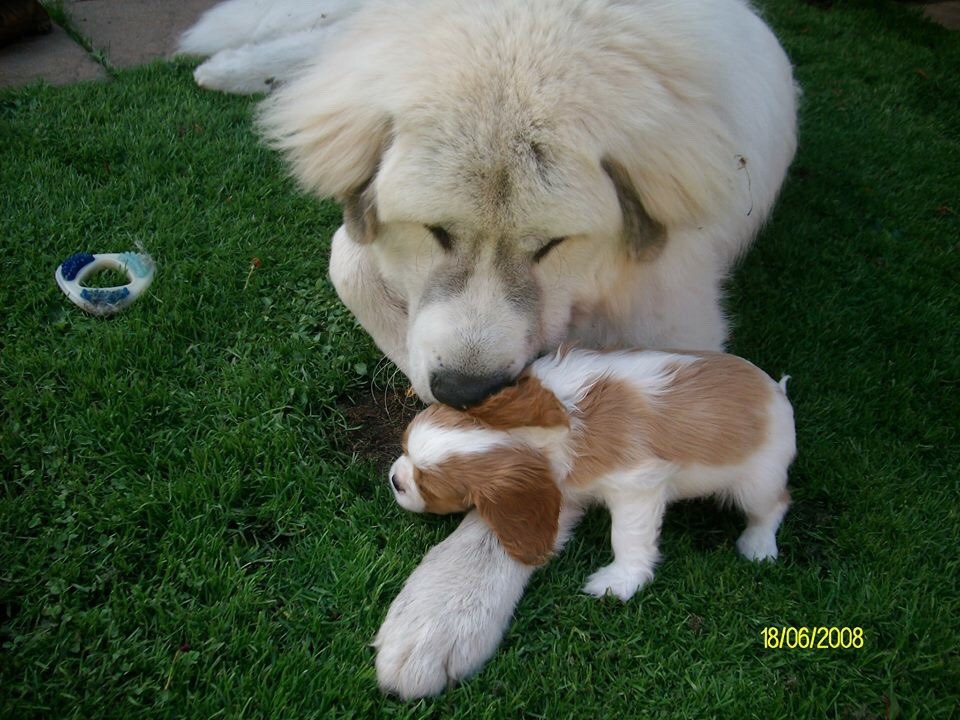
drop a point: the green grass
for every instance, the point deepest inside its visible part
(186, 532)
(107, 277)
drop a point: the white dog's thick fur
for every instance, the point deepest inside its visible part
(254, 44)
(514, 174)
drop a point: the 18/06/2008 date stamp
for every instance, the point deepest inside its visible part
(815, 638)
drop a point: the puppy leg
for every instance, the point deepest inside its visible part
(454, 608)
(354, 274)
(635, 528)
(765, 504)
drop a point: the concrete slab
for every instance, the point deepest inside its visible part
(134, 32)
(945, 13)
(54, 58)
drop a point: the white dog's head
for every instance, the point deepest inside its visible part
(489, 249)
(500, 198)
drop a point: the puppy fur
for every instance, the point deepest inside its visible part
(632, 430)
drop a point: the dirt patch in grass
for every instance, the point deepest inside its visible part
(376, 422)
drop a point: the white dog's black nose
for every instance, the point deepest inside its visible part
(462, 390)
(396, 485)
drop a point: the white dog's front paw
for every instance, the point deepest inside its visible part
(757, 544)
(423, 649)
(451, 613)
(620, 580)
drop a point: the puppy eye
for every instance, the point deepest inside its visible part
(550, 245)
(441, 236)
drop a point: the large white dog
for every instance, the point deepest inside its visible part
(513, 175)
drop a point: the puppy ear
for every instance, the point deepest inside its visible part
(521, 503)
(645, 237)
(525, 404)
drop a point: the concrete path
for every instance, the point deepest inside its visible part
(125, 33)
(121, 33)
(945, 13)
(56, 58)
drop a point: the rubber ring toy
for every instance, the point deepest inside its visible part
(70, 275)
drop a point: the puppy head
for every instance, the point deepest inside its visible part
(493, 457)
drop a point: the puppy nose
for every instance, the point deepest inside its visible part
(396, 485)
(461, 390)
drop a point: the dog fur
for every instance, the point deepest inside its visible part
(514, 175)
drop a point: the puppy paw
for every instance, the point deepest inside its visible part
(758, 544)
(617, 580)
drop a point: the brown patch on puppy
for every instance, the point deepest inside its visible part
(446, 489)
(715, 412)
(526, 404)
(615, 420)
(441, 416)
(512, 488)
(520, 502)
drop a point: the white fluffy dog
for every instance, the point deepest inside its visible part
(514, 175)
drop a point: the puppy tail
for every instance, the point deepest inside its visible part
(783, 383)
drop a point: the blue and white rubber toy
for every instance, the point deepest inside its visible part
(139, 267)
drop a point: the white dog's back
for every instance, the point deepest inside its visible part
(254, 44)
(235, 23)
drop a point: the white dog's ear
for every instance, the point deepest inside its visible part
(360, 213)
(676, 174)
(645, 237)
(333, 132)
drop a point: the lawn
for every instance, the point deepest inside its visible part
(194, 520)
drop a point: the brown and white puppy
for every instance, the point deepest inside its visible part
(634, 430)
